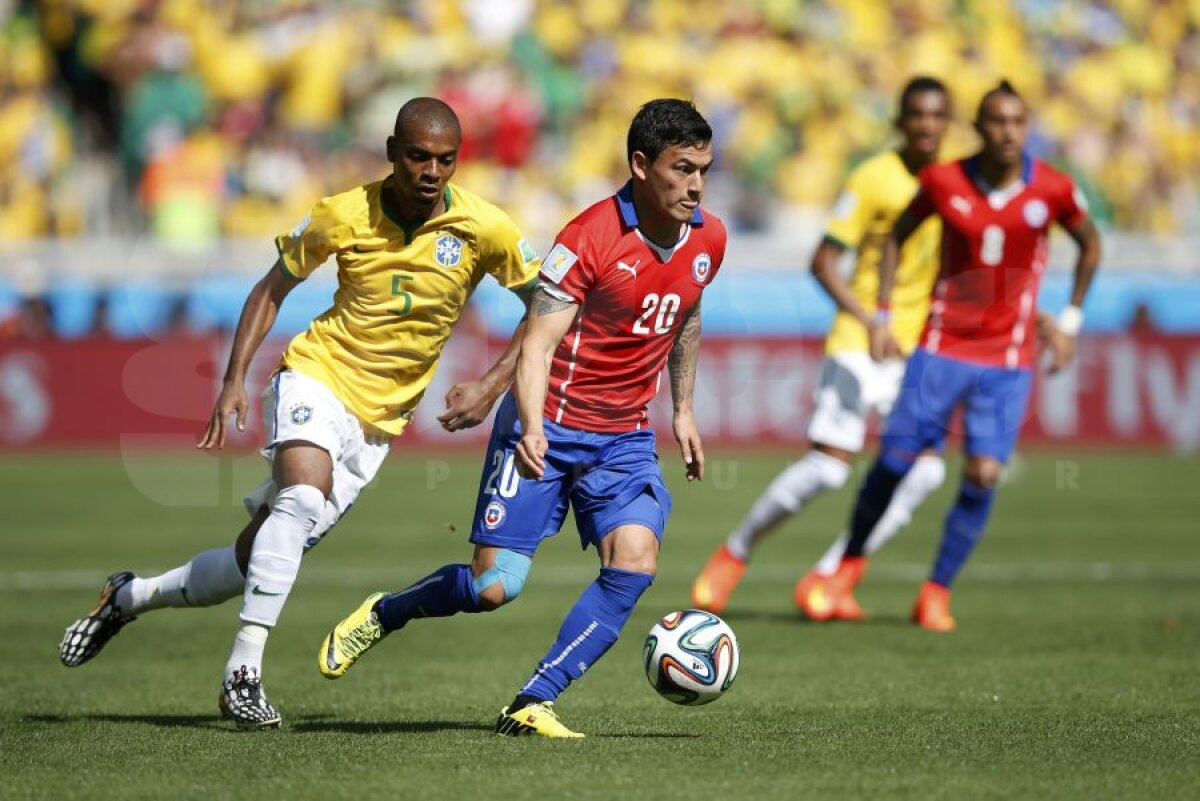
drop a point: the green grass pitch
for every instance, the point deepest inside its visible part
(1075, 672)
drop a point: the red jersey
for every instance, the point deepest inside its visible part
(994, 249)
(633, 297)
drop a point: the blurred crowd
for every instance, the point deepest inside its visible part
(195, 119)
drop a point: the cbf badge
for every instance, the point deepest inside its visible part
(448, 250)
(300, 413)
(701, 267)
(493, 515)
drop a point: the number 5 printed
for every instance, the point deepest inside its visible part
(397, 290)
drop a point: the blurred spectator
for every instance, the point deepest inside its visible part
(231, 117)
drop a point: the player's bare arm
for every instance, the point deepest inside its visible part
(1062, 336)
(825, 269)
(258, 315)
(544, 329)
(681, 366)
(468, 403)
(883, 343)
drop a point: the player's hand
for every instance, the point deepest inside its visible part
(688, 437)
(467, 405)
(531, 453)
(882, 342)
(231, 401)
(1061, 345)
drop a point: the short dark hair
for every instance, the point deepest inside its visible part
(1002, 88)
(665, 122)
(427, 111)
(917, 85)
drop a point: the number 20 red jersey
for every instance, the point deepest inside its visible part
(995, 244)
(633, 297)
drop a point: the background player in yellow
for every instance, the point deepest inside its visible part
(410, 249)
(863, 366)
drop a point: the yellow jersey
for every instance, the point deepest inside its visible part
(876, 193)
(400, 292)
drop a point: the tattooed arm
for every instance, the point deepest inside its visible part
(681, 365)
(548, 323)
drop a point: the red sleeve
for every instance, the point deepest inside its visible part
(922, 205)
(1071, 206)
(717, 239)
(570, 265)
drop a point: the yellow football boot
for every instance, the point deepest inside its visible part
(539, 719)
(350, 639)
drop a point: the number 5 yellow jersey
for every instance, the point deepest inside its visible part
(400, 292)
(876, 193)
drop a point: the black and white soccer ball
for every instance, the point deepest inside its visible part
(691, 657)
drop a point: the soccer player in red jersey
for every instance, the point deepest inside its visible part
(619, 299)
(978, 348)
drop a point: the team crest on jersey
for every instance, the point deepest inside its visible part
(701, 267)
(448, 250)
(493, 515)
(300, 413)
(1036, 213)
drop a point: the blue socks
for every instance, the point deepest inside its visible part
(590, 629)
(873, 500)
(446, 591)
(962, 531)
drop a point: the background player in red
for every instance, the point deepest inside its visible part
(619, 299)
(979, 345)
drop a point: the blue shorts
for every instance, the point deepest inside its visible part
(994, 400)
(609, 479)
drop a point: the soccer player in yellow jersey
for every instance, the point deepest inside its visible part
(854, 382)
(409, 250)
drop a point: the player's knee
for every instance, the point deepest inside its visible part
(302, 503)
(637, 560)
(503, 581)
(931, 468)
(984, 471)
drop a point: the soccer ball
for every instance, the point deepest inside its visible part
(691, 657)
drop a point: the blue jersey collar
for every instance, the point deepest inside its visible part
(629, 213)
(971, 165)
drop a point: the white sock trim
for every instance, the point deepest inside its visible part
(800, 482)
(925, 476)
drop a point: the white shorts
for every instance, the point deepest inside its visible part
(297, 407)
(852, 386)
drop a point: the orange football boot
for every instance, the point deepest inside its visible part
(823, 598)
(932, 610)
(717, 581)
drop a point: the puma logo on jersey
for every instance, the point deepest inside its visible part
(631, 270)
(961, 205)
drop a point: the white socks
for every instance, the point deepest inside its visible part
(248, 648)
(275, 557)
(925, 476)
(212, 577)
(274, 563)
(813, 474)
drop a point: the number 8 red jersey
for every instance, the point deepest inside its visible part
(633, 296)
(995, 245)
